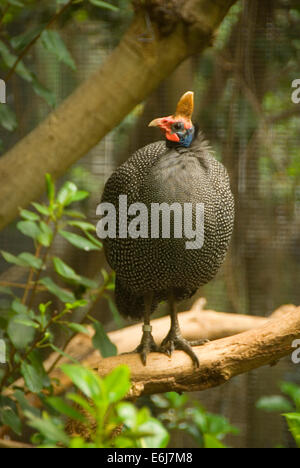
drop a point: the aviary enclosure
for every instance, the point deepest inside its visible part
(80, 82)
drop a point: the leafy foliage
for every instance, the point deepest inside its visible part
(207, 429)
(103, 419)
(26, 324)
(41, 34)
(289, 405)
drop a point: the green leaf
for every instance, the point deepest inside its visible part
(20, 335)
(78, 328)
(160, 401)
(293, 391)
(36, 360)
(74, 214)
(29, 215)
(66, 193)
(80, 195)
(43, 209)
(274, 403)
(18, 307)
(8, 118)
(33, 379)
(62, 294)
(77, 304)
(25, 259)
(9, 416)
(218, 425)
(24, 403)
(69, 274)
(63, 353)
(31, 260)
(78, 399)
(46, 235)
(10, 59)
(22, 40)
(64, 270)
(210, 441)
(50, 429)
(102, 342)
(159, 437)
(117, 383)
(26, 322)
(128, 414)
(7, 57)
(44, 307)
(84, 226)
(29, 228)
(80, 443)
(293, 420)
(85, 380)
(176, 400)
(94, 240)
(78, 241)
(43, 92)
(50, 188)
(12, 259)
(59, 405)
(106, 5)
(69, 193)
(53, 43)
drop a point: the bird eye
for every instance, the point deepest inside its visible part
(177, 126)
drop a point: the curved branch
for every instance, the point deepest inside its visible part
(195, 324)
(220, 360)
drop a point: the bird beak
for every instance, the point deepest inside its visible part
(155, 123)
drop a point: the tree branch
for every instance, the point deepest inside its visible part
(195, 324)
(220, 360)
(130, 74)
(256, 341)
(6, 443)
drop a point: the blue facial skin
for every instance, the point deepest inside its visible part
(186, 137)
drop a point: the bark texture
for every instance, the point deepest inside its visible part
(195, 324)
(219, 360)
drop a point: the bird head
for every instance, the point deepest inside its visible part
(178, 128)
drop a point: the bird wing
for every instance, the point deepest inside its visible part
(128, 180)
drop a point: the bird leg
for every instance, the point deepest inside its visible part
(174, 339)
(147, 344)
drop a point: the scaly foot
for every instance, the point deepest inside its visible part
(176, 341)
(146, 346)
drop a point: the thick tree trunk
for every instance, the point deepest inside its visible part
(131, 73)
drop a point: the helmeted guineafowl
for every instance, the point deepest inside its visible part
(151, 268)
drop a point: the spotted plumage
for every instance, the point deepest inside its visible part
(164, 268)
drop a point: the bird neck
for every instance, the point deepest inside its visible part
(185, 138)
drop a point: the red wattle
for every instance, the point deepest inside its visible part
(172, 136)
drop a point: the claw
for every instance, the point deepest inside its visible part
(146, 346)
(176, 341)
